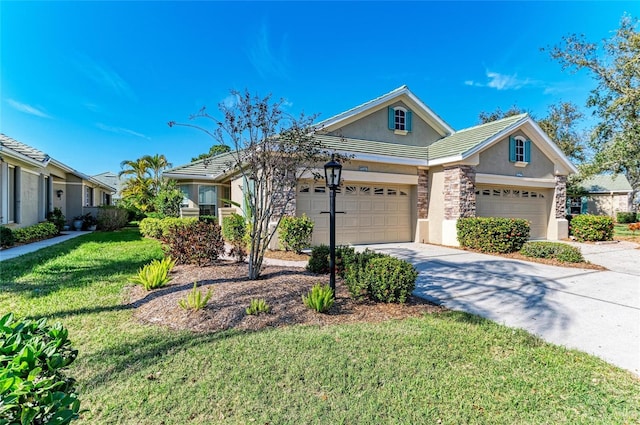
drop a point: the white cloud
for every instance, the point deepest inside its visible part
(268, 61)
(27, 109)
(106, 77)
(230, 101)
(120, 130)
(498, 81)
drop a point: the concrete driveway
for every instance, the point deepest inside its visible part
(597, 312)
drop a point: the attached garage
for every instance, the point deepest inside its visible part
(516, 202)
(373, 213)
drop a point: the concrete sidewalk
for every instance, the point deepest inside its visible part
(593, 311)
(16, 251)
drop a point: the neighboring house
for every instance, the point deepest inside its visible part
(112, 180)
(32, 184)
(412, 176)
(606, 195)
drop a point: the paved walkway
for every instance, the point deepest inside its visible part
(593, 311)
(16, 251)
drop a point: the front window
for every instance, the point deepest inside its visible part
(519, 150)
(207, 197)
(400, 119)
(185, 196)
(88, 196)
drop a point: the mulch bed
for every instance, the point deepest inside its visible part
(281, 287)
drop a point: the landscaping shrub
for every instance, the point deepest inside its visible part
(33, 386)
(354, 273)
(626, 217)
(112, 218)
(197, 242)
(57, 218)
(555, 250)
(258, 306)
(157, 228)
(155, 274)
(588, 227)
(7, 238)
(320, 298)
(35, 232)
(234, 230)
(295, 233)
(319, 260)
(634, 227)
(194, 300)
(493, 234)
(389, 279)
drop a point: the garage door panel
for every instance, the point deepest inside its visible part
(373, 213)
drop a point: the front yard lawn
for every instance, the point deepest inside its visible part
(622, 232)
(442, 367)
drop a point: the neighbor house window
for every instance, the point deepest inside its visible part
(13, 191)
(207, 196)
(88, 196)
(519, 150)
(399, 119)
(185, 196)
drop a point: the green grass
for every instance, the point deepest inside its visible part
(623, 230)
(452, 367)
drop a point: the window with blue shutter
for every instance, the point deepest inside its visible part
(399, 119)
(527, 151)
(512, 149)
(519, 149)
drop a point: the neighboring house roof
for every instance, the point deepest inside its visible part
(12, 147)
(19, 150)
(109, 178)
(438, 123)
(607, 183)
(210, 168)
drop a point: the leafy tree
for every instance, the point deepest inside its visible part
(498, 114)
(270, 151)
(167, 201)
(214, 150)
(615, 65)
(144, 182)
(560, 126)
(155, 165)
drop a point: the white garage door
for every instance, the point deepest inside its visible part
(532, 205)
(372, 213)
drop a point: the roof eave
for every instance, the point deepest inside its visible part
(22, 157)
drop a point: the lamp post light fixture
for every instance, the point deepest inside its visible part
(332, 173)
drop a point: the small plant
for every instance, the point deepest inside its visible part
(355, 271)
(626, 217)
(319, 260)
(112, 218)
(295, 233)
(258, 306)
(390, 279)
(556, 250)
(320, 298)
(57, 218)
(7, 237)
(195, 300)
(155, 274)
(34, 388)
(198, 243)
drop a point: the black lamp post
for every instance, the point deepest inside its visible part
(332, 171)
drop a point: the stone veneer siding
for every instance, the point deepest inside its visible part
(560, 194)
(459, 192)
(423, 194)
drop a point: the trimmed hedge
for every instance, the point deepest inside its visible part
(588, 227)
(626, 217)
(195, 242)
(112, 218)
(295, 233)
(35, 232)
(493, 234)
(555, 250)
(390, 279)
(157, 228)
(354, 274)
(319, 260)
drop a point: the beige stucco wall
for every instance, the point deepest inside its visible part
(436, 204)
(377, 167)
(608, 204)
(376, 127)
(495, 160)
(29, 200)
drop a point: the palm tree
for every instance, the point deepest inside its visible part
(155, 165)
(138, 168)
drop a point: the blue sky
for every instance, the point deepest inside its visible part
(93, 83)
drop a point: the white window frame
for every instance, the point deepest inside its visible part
(519, 148)
(400, 118)
(215, 201)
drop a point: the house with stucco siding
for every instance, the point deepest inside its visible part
(412, 176)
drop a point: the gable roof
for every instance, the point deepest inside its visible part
(401, 93)
(469, 138)
(607, 183)
(209, 168)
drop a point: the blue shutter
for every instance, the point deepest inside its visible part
(407, 121)
(584, 206)
(527, 151)
(512, 149)
(392, 119)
